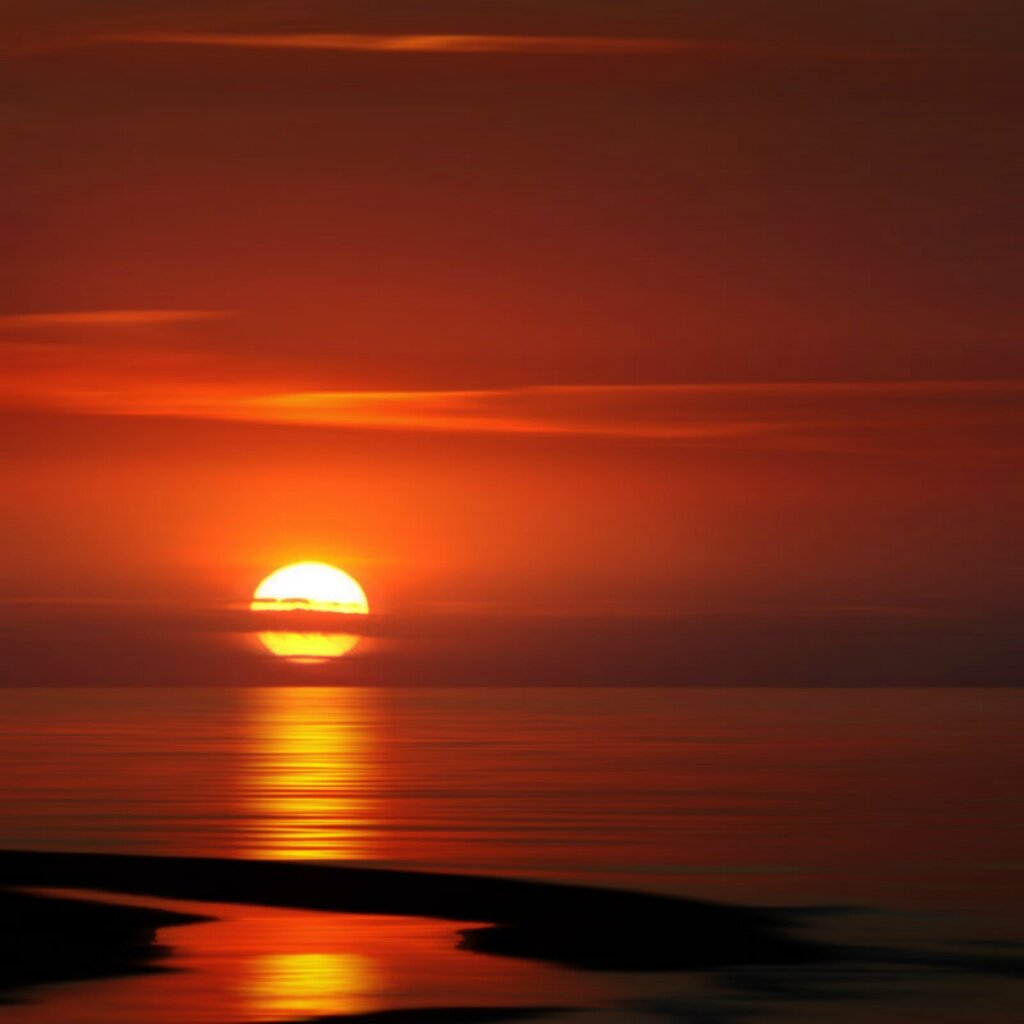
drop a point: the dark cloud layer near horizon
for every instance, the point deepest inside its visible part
(140, 646)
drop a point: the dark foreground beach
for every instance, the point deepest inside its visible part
(46, 939)
(579, 926)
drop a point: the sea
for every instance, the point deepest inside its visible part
(883, 819)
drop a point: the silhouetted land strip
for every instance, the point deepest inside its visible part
(46, 939)
(582, 926)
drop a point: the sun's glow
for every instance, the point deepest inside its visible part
(310, 792)
(310, 984)
(309, 587)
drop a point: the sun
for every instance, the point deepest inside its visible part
(311, 587)
(308, 647)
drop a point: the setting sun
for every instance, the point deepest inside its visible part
(310, 586)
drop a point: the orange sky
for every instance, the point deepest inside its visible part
(552, 308)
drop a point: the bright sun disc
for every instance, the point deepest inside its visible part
(311, 587)
(308, 647)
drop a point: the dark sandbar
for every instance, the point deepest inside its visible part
(581, 926)
(46, 939)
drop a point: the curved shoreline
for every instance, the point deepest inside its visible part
(46, 939)
(581, 926)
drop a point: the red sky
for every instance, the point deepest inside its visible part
(658, 309)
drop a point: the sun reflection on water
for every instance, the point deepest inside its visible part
(290, 986)
(310, 774)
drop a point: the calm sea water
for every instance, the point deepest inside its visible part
(903, 803)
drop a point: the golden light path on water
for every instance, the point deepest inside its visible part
(309, 587)
(311, 774)
(308, 790)
(298, 985)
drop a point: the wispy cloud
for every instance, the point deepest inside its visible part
(465, 43)
(921, 414)
(89, 369)
(108, 318)
(361, 43)
(108, 379)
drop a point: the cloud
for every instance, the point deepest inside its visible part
(108, 318)
(809, 415)
(130, 375)
(466, 43)
(158, 645)
(106, 379)
(363, 43)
